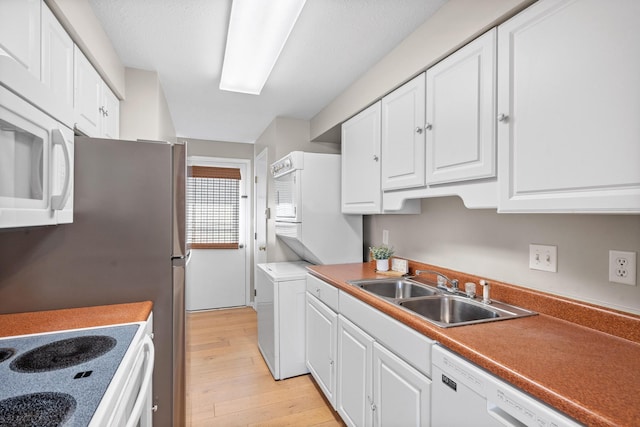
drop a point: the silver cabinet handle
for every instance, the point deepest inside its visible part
(503, 118)
(375, 158)
(418, 130)
(428, 126)
(262, 248)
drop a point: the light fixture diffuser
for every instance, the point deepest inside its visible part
(258, 30)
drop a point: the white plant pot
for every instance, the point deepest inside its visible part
(382, 264)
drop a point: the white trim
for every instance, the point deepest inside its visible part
(246, 189)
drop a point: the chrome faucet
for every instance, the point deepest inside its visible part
(442, 284)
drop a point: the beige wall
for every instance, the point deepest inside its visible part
(78, 19)
(282, 136)
(145, 114)
(230, 150)
(496, 246)
(456, 23)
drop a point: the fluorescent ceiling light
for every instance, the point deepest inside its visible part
(258, 30)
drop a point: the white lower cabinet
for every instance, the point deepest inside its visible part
(373, 369)
(401, 394)
(355, 374)
(374, 386)
(321, 331)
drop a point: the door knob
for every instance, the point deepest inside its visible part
(262, 248)
(418, 130)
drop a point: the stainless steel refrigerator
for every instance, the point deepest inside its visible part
(126, 244)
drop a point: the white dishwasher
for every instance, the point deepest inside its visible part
(465, 395)
(280, 303)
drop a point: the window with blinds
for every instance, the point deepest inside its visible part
(213, 207)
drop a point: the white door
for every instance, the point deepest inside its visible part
(403, 136)
(260, 214)
(217, 277)
(460, 127)
(568, 108)
(361, 193)
(320, 346)
(402, 395)
(354, 382)
(87, 95)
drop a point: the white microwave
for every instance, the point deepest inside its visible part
(36, 156)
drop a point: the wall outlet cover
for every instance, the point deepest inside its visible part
(622, 267)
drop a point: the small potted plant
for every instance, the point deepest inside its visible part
(381, 254)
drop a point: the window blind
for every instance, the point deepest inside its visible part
(213, 207)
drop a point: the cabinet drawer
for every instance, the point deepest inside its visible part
(322, 290)
(407, 343)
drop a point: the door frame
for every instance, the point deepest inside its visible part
(257, 216)
(246, 190)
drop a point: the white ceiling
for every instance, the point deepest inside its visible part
(332, 44)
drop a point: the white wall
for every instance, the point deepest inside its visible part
(456, 23)
(282, 136)
(144, 114)
(496, 246)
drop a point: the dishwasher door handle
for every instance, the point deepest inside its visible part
(502, 416)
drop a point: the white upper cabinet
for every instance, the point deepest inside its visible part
(87, 95)
(403, 136)
(97, 109)
(461, 105)
(57, 58)
(361, 191)
(110, 114)
(20, 32)
(568, 107)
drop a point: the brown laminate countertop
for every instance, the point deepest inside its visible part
(591, 375)
(73, 318)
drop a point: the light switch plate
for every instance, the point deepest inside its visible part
(399, 264)
(543, 257)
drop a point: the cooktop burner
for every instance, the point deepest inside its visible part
(63, 354)
(6, 353)
(36, 410)
(58, 379)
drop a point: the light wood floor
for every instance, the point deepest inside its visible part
(229, 384)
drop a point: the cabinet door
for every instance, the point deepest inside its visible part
(87, 95)
(569, 79)
(403, 136)
(461, 106)
(321, 340)
(20, 32)
(361, 192)
(57, 58)
(401, 394)
(354, 383)
(110, 114)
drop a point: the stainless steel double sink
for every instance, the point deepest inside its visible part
(436, 305)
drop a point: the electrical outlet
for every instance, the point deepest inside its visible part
(543, 257)
(385, 237)
(622, 267)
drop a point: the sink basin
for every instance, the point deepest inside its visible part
(448, 310)
(395, 288)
